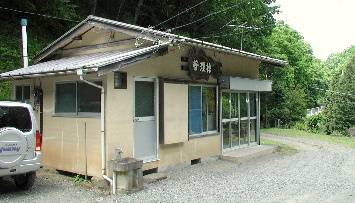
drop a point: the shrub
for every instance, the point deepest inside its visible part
(300, 125)
(315, 124)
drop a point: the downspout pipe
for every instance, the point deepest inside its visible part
(81, 73)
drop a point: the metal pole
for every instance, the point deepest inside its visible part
(24, 43)
(86, 155)
(241, 39)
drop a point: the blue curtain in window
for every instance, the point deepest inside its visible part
(195, 110)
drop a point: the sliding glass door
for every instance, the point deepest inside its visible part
(239, 119)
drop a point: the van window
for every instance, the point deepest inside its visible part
(16, 117)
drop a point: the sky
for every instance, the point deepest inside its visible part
(328, 25)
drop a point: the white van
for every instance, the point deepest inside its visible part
(20, 143)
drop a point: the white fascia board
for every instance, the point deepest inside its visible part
(245, 84)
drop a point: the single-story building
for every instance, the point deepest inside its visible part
(160, 97)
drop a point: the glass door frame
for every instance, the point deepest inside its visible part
(240, 119)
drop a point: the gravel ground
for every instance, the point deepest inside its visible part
(320, 172)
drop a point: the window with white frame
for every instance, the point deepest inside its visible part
(77, 98)
(202, 109)
(22, 92)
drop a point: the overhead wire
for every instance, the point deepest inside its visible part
(211, 14)
(245, 31)
(218, 36)
(340, 101)
(179, 14)
(336, 100)
(348, 94)
(43, 15)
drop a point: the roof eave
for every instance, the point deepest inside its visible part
(276, 62)
(87, 67)
(93, 21)
(138, 31)
(64, 39)
(45, 74)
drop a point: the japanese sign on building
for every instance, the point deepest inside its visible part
(201, 66)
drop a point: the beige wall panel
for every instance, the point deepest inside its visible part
(64, 147)
(170, 154)
(64, 137)
(237, 66)
(98, 36)
(176, 111)
(122, 47)
(204, 147)
(119, 118)
(169, 65)
(208, 147)
(193, 149)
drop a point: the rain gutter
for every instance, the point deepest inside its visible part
(81, 73)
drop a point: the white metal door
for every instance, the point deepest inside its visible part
(145, 122)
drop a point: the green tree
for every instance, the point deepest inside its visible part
(206, 21)
(340, 99)
(294, 86)
(254, 31)
(41, 30)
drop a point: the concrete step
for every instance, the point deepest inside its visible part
(247, 153)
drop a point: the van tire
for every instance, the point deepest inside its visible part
(25, 182)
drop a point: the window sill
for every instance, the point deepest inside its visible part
(78, 116)
(204, 135)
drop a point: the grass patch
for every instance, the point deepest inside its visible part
(285, 149)
(347, 141)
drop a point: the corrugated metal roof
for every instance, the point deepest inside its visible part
(96, 60)
(137, 31)
(73, 63)
(164, 36)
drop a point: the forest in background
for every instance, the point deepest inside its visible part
(242, 24)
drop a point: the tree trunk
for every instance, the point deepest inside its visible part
(119, 10)
(93, 10)
(138, 10)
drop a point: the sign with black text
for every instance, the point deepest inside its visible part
(201, 66)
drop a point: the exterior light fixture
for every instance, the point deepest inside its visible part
(120, 80)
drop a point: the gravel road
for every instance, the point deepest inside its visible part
(320, 172)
